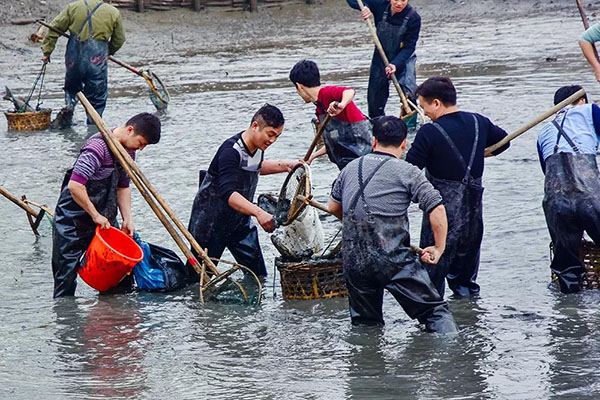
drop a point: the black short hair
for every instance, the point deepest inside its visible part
(307, 73)
(438, 87)
(146, 125)
(567, 91)
(389, 130)
(268, 115)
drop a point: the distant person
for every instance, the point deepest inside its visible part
(451, 149)
(348, 133)
(586, 42)
(90, 194)
(398, 27)
(567, 147)
(96, 32)
(371, 196)
(223, 206)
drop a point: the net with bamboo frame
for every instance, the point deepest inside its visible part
(236, 284)
(159, 95)
(292, 198)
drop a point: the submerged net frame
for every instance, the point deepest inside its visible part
(159, 94)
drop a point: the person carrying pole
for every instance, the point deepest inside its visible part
(223, 205)
(96, 31)
(567, 148)
(398, 27)
(371, 196)
(91, 193)
(451, 149)
(348, 133)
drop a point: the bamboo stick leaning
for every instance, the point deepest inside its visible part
(540, 118)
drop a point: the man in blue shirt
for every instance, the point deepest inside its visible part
(567, 147)
(398, 26)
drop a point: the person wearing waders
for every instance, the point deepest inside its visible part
(398, 26)
(224, 202)
(567, 148)
(451, 149)
(586, 43)
(348, 133)
(91, 193)
(371, 196)
(96, 32)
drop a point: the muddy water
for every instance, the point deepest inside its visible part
(521, 339)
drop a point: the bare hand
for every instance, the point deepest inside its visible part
(102, 221)
(128, 227)
(365, 13)
(597, 74)
(335, 107)
(267, 221)
(390, 70)
(431, 255)
(46, 58)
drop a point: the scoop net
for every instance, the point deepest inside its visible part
(236, 284)
(293, 196)
(159, 95)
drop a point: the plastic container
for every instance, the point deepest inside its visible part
(111, 255)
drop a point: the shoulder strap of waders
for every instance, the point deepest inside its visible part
(561, 132)
(466, 166)
(362, 185)
(88, 19)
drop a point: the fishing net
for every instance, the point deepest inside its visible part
(236, 284)
(295, 191)
(159, 95)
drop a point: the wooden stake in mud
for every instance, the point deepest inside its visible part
(405, 101)
(317, 137)
(569, 100)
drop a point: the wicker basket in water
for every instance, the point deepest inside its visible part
(28, 121)
(589, 254)
(312, 279)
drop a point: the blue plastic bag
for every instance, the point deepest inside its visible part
(161, 270)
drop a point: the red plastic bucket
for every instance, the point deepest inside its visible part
(112, 254)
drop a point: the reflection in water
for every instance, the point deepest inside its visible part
(575, 358)
(100, 342)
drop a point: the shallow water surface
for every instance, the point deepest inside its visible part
(521, 339)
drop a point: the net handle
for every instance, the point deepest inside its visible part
(317, 137)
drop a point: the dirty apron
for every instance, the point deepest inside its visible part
(216, 226)
(377, 256)
(463, 203)
(345, 141)
(74, 228)
(87, 69)
(571, 205)
(391, 38)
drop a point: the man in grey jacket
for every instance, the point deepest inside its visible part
(371, 195)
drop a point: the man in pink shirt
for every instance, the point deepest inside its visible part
(348, 134)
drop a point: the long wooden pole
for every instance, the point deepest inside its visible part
(317, 137)
(569, 100)
(127, 163)
(18, 202)
(405, 101)
(586, 23)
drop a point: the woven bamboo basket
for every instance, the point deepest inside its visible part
(312, 279)
(28, 121)
(589, 254)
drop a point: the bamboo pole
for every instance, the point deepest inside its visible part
(317, 137)
(405, 101)
(569, 100)
(127, 163)
(19, 202)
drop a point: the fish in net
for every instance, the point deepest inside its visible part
(237, 284)
(295, 190)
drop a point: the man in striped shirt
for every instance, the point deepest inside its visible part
(90, 195)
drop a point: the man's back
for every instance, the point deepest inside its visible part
(432, 151)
